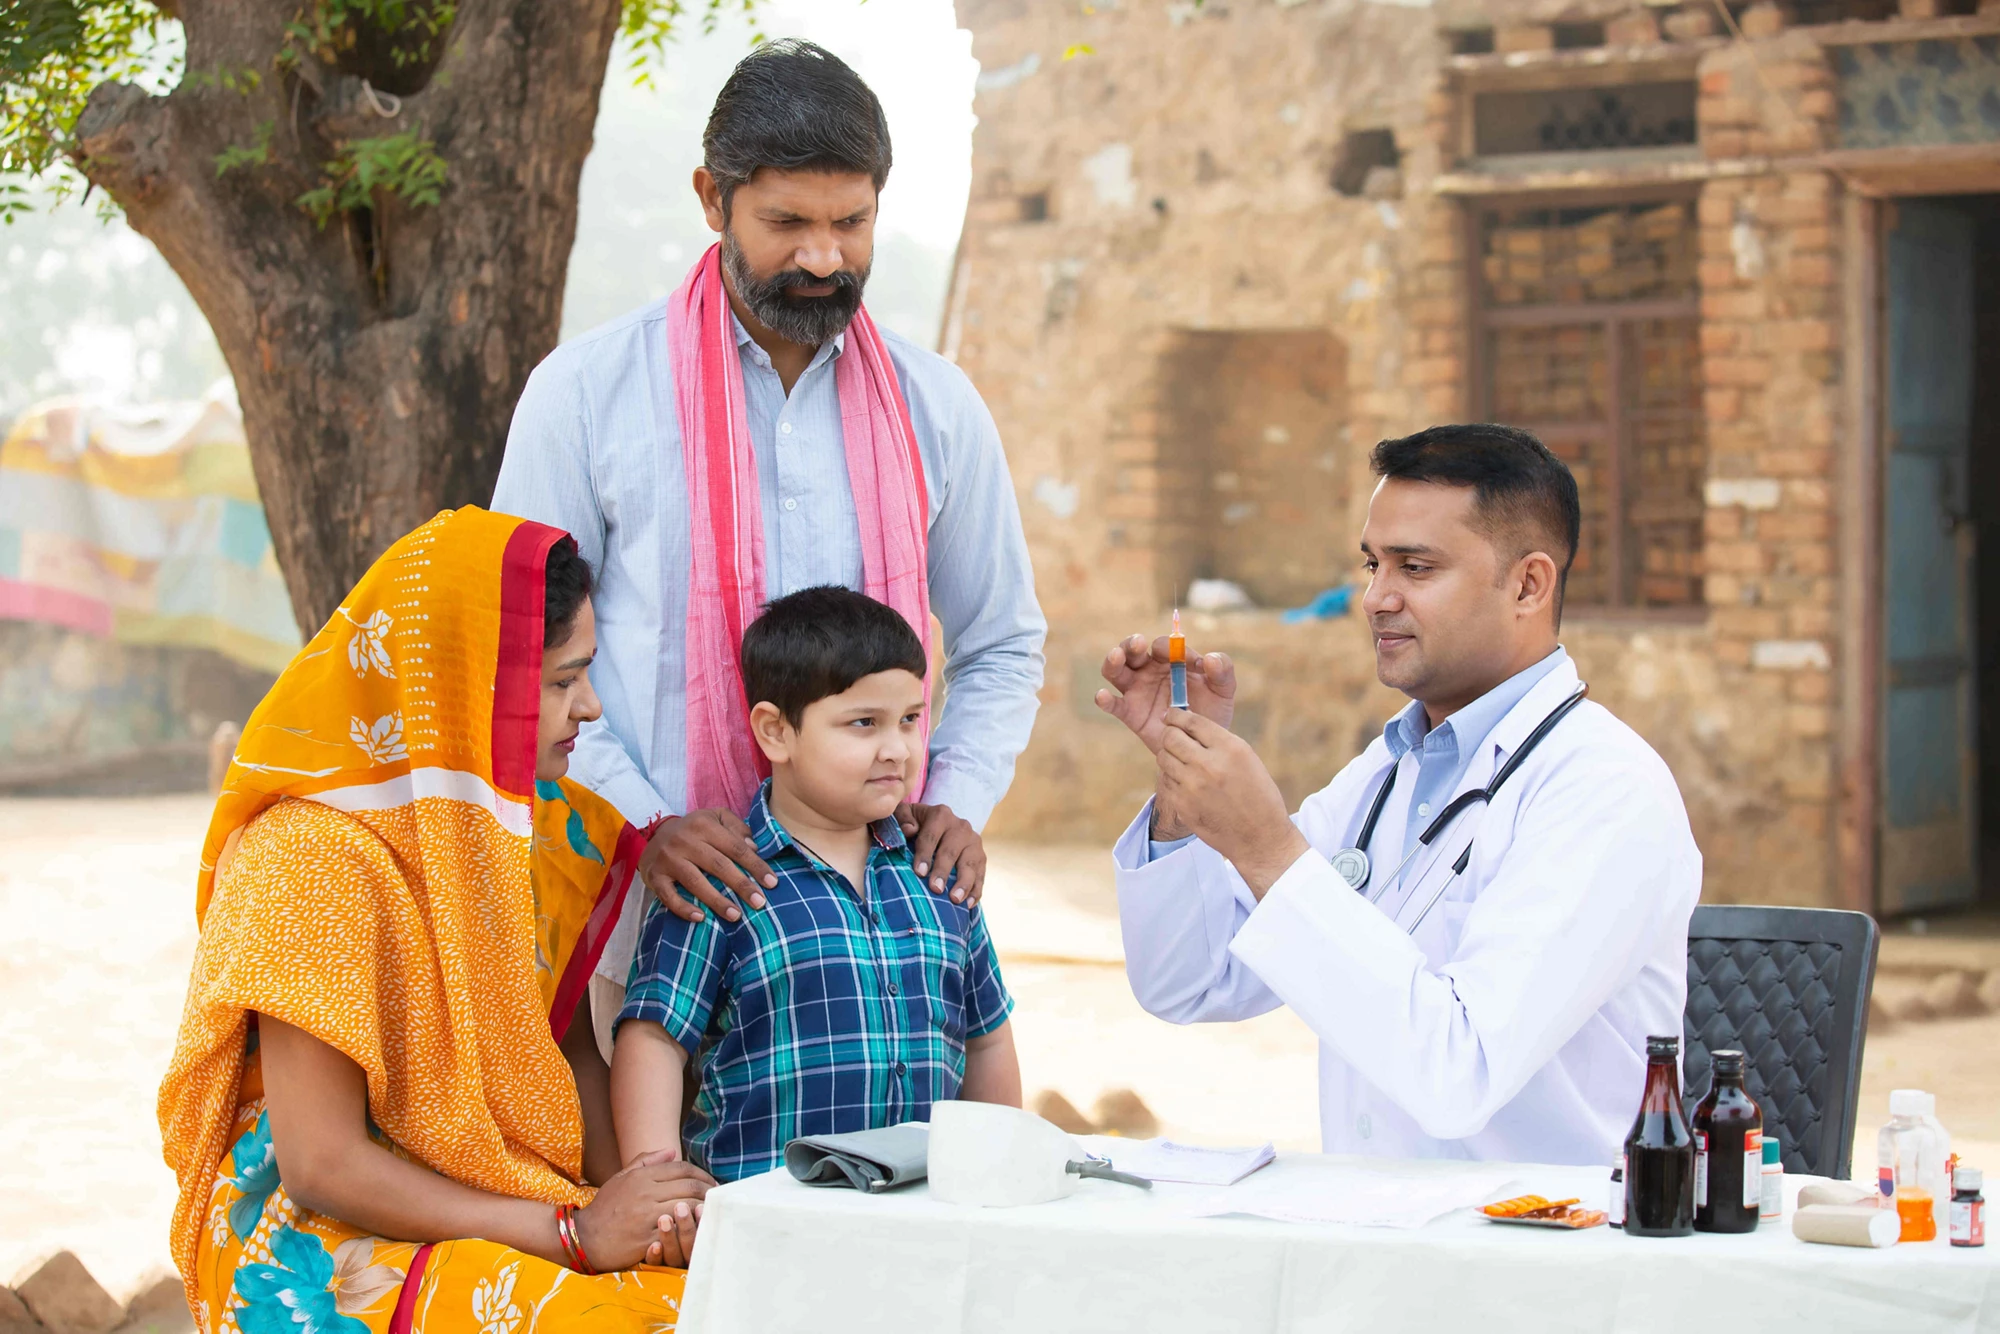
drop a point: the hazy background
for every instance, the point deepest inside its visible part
(90, 307)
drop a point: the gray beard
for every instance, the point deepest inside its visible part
(810, 320)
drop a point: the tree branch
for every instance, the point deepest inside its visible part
(124, 143)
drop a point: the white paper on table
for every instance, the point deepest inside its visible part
(1388, 1194)
(1164, 1160)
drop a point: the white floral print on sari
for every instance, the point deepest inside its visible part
(382, 743)
(370, 646)
(493, 1302)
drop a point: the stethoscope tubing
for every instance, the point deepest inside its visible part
(1458, 804)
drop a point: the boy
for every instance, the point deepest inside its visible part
(855, 999)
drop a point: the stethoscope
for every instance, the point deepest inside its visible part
(1353, 863)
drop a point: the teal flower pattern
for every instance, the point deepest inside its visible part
(295, 1294)
(254, 1171)
(579, 840)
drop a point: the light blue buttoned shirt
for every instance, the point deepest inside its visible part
(1445, 752)
(595, 449)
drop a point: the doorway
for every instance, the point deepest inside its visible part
(1940, 712)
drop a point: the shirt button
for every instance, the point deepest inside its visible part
(893, 989)
(785, 427)
(875, 917)
(901, 1069)
(1423, 808)
(1365, 1126)
(791, 504)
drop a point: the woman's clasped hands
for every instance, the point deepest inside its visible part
(647, 1214)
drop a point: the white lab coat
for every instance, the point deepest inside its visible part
(1512, 1025)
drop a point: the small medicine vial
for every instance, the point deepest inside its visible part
(1968, 1208)
(1773, 1201)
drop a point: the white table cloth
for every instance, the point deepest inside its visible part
(774, 1255)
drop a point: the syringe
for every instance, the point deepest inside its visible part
(1177, 664)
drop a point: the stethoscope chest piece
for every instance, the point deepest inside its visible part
(1352, 866)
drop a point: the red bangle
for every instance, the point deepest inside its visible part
(562, 1236)
(571, 1237)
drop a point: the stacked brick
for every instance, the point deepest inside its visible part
(1766, 99)
(1617, 254)
(1771, 358)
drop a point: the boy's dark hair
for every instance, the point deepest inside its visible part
(565, 585)
(818, 642)
(795, 106)
(1524, 496)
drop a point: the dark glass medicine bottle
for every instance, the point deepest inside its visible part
(1659, 1153)
(1729, 1152)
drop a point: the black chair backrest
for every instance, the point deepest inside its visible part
(1788, 987)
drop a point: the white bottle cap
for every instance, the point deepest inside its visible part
(1910, 1102)
(1967, 1178)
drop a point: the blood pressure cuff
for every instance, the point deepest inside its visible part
(868, 1160)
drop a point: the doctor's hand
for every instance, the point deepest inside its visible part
(1219, 790)
(1141, 688)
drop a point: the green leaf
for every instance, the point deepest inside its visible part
(645, 27)
(405, 165)
(255, 155)
(52, 53)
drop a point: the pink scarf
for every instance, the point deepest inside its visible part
(726, 584)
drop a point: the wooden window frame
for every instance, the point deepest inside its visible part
(1612, 318)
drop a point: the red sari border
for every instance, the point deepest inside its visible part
(597, 930)
(413, 1282)
(517, 676)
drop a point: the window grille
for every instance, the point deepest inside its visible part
(1589, 334)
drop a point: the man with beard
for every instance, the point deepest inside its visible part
(754, 435)
(1484, 916)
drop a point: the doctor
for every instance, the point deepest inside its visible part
(1485, 914)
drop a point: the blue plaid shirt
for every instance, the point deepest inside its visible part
(827, 1011)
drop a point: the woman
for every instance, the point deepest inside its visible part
(373, 1123)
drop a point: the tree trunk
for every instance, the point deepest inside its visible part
(378, 359)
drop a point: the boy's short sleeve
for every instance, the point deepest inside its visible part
(676, 974)
(987, 1003)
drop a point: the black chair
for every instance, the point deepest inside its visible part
(1787, 987)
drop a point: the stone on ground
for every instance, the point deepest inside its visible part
(64, 1296)
(1123, 1112)
(1061, 1113)
(14, 1314)
(1952, 994)
(160, 1307)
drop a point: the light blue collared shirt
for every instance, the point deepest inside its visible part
(595, 449)
(1445, 752)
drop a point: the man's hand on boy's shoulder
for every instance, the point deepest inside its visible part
(940, 843)
(685, 850)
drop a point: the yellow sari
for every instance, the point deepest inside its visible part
(384, 872)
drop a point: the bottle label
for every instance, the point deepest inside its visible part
(1774, 1191)
(1618, 1194)
(1753, 1168)
(1885, 1178)
(1701, 1169)
(1968, 1223)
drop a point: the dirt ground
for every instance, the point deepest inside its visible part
(98, 898)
